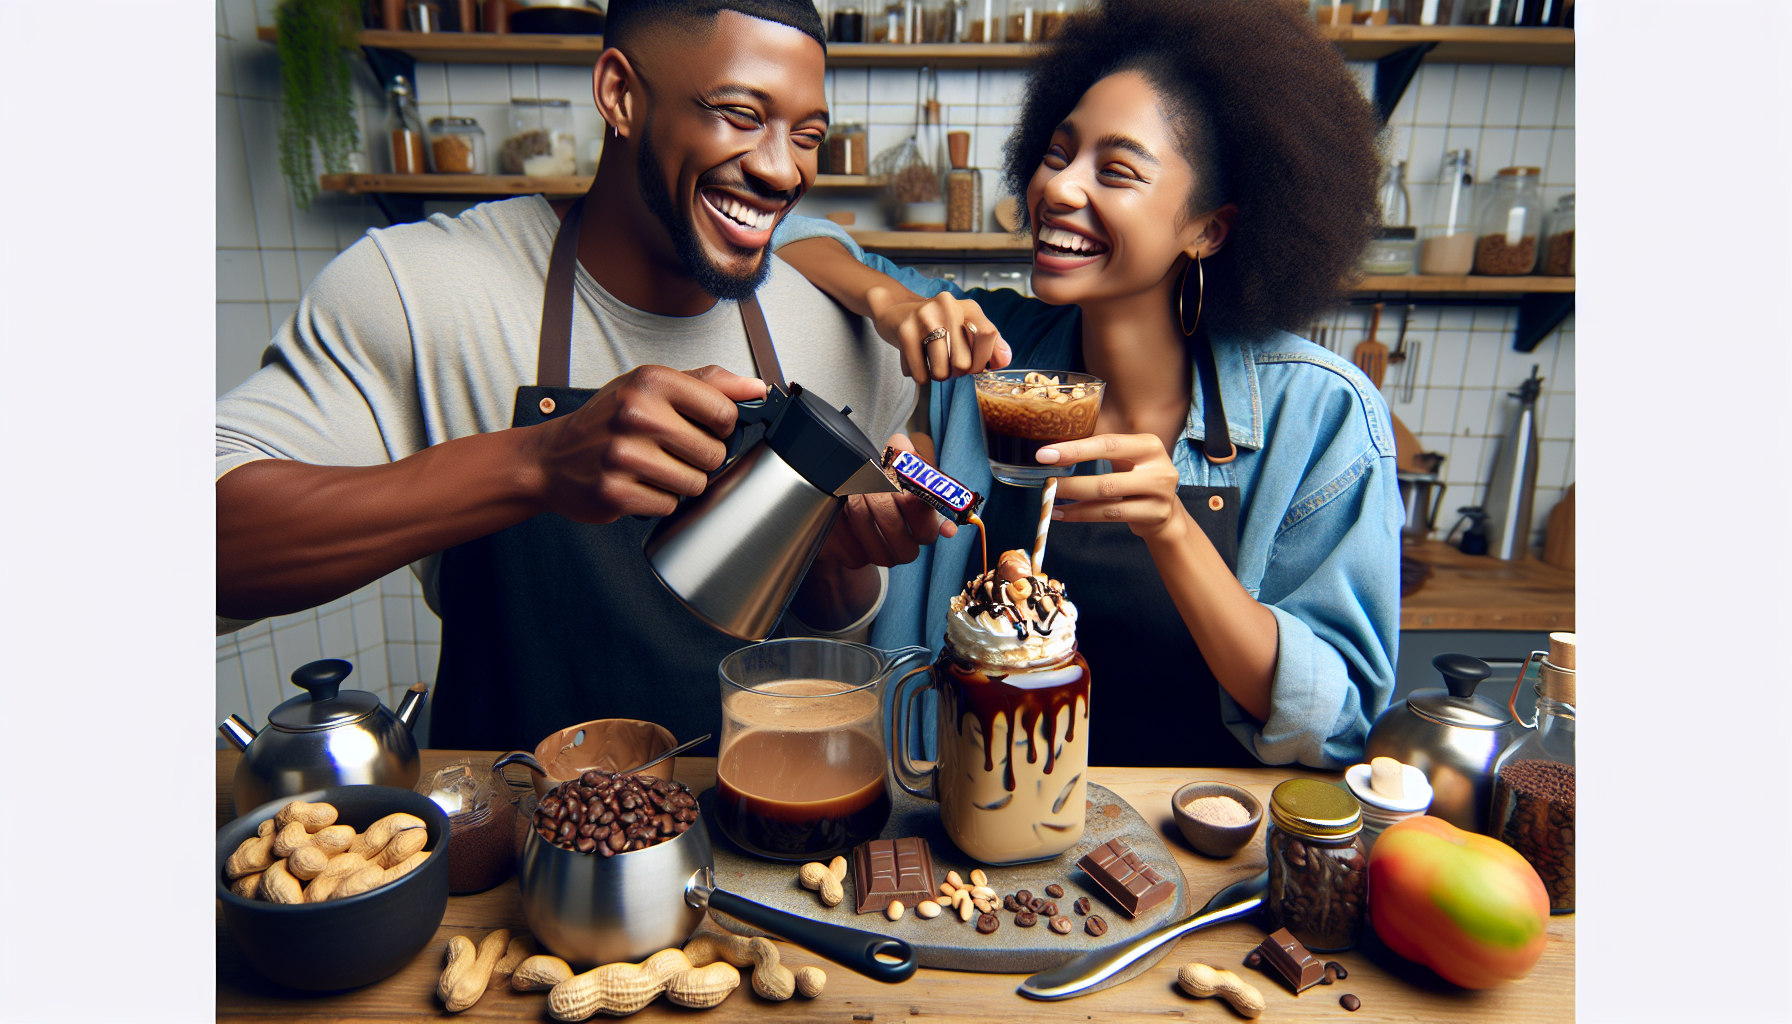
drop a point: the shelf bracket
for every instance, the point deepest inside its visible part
(1538, 314)
(1393, 73)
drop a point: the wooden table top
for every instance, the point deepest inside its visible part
(1478, 592)
(1390, 988)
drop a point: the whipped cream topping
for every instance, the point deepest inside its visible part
(1009, 618)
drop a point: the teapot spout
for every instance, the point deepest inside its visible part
(412, 705)
(236, 731)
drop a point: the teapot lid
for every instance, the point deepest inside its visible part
(1458, 705)
(822, 444)
(326, 705)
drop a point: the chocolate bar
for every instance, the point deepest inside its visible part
(1297, 967)
(892, 869)
(1133, 884)
(948, 497)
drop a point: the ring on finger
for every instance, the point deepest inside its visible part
(937, 334)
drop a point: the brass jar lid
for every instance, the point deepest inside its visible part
(1316, 810)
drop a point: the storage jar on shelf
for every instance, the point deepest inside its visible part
(848, 23)
(1558, 232)
(1510, 223)
(1391, 251)
(404, 126)
(985, 21)
(1449, 245)
(458, 144)
(541, 139)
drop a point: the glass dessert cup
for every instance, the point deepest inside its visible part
(1024, 410)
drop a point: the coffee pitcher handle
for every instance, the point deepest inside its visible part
(923, 784)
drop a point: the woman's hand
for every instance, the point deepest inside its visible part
(969, 342)
(1141, 492)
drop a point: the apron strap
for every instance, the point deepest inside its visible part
(1218, 445)
(553, 362)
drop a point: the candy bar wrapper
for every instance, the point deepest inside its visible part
(948, 497)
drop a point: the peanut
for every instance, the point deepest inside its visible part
(279, 886)
(381, 832)
(247, 886)
(818, 877)
(927, 909)
(465, 978)
(894, 910)
(266, 829)
(307, 862)
(540, 973)
(616, 990)
(982, 892)
(1201, 981)
(372, 876)
(809, 981)
(400, 847)
(771, 979)
(948, 890)
(978, 877)
(521, 948)
(706, 948)
(311, 816)
(965, 910)
(953, 880)
(251, 856)
(703, 987)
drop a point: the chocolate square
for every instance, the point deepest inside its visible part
(1135, 885)
(892, 869)
(1298, 968)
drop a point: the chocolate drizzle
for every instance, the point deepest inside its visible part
(990, 595)
(986, 696)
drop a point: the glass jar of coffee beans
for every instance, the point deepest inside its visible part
(1510, 223)
(1318, 867)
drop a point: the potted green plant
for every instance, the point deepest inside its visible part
(317, 48)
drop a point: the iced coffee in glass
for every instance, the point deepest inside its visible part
(1013, 737)
(1025, 410)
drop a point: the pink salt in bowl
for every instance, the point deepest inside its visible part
(1210, 838)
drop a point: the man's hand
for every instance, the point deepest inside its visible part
(645, 440)
(883, 529)
(969, 342)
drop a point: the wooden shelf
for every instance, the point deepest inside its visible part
(1455, 44)
(1523, 285)
(456, 184)
(849, 181)
(943, 241)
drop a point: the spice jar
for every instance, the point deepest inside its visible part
(892, 25)
(1510, 223)
(1382, 809)
(985, 21)
(1558, 229)
(1533, 781)
(541, 140)
(848, 151)
(848, 24)
(482, 824)
(964, 186)
(935, 17)
(404, 126)
(1052, 19)
(1449, 245)
(1024, 23)
(1318, 866)
(458, 144)
(1391, 251)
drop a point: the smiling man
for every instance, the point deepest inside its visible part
(429, 404)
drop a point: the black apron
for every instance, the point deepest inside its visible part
(552, 622)
(1153, 700)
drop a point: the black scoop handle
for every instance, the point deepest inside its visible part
(848, 947)
(322, 678)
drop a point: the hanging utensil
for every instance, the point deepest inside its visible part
(1371, 356)
(1399, 353)
(1412, 373)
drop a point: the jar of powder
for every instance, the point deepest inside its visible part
(481, 824)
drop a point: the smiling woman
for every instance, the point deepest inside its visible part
(1199, 177)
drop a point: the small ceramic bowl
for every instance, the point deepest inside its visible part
(354, 941)
(1215, 840)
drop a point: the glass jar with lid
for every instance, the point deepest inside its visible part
(1558, 232)
(410, 145)
(541, 140)
(1391, 251)
(1449, 244)
(458, 144)
(1024, 22)
(984, 21)
(1510, 222)
(848, 23)
(1318, 866)
(847, 148)
(1533, 780)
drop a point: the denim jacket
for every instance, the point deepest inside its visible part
(1319, 520)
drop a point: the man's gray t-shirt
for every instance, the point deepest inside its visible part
(421, 333)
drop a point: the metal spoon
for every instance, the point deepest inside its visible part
(1093, 972)
(528, 760)
(681, 748)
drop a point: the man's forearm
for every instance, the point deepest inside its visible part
(831, 268)
(292, 535)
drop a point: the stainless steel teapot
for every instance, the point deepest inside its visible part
(1452, 736)
(328, 737)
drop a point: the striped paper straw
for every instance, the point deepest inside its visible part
(1046, 501)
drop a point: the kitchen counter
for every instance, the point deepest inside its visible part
(1390, 988)
(1478, 592)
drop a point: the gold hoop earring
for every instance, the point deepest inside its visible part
(1188, 329)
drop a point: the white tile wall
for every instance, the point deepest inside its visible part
(268, 251)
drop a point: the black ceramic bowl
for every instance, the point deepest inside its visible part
(349, 942)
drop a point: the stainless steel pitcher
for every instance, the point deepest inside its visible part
(735, 554)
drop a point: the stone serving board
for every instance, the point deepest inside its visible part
(947, 942)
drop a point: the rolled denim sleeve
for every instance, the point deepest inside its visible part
(1333, 585)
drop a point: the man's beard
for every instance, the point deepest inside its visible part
(657, 193)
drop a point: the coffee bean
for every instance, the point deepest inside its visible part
(566, 832)
(1337, 969)
(1010, 904)
(585, 844)
(1045, 908)
(988, 923)
(547, 834)
(1026, 919)
(1061, 924)
(1095, 926)
(1081, 906)
(1054, 890)
(1024, 898)
(1350, 1002)
(1253, 959)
